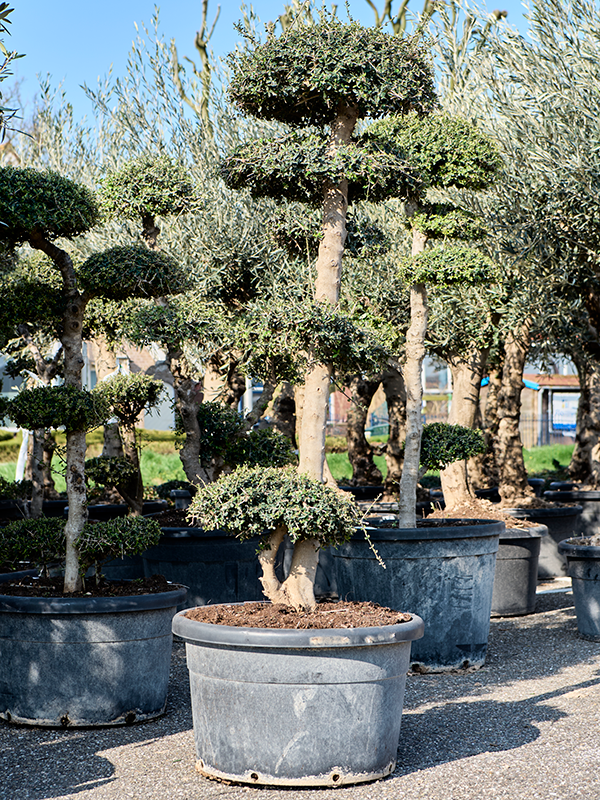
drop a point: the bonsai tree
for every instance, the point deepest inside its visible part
(447, 153)
(273, 503)
(38, 208)
(127, 395)
(320, 79)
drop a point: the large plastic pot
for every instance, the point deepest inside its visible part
(363, 493)
(562, 523)
(515, 580)
(215, 566)
(106, 511)
(85, 661)
(297, 707)
(444, 574)
(584, 569)
(589, 520)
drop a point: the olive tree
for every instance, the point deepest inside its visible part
(320, 79)
(39, 208)
(446, 153)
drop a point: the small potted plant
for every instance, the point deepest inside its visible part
(323, 685)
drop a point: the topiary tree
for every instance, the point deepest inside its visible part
(38, 208)
(272, 503)
(320, 79)
(446, 153)
(127, 395)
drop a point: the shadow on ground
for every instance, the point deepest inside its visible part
(42, 763)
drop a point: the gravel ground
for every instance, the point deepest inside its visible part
(524, 726)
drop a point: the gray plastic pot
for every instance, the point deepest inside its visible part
(562, 523)
(588, 523)
(515, 580)
(79, 661)
(297, 707)
(215, 566)
(444, 574)
(584, 569)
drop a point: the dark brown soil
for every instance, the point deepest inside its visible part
(482, 509)
(327, 615)
(173, 519)
(53, 587)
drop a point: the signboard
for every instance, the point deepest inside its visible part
(564, 411)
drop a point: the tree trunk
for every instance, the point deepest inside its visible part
(327, 290)
(214, 384)
(106, 363)
(585, 461)
(508, 448)
(37, 472)
(412, 369)
(415, 353)
(72, 343)
(395, 395)
(282, 411)
(482, 469)
(297, 590)
(50, 492)
(132, 491)
(188, 398)
(466, 383)
(360, 454)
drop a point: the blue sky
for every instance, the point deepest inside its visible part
(76, 41)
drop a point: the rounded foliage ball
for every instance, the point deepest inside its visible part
(43, 202)
(305, 75)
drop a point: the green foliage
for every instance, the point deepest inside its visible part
(303, 76)
(56, 406)
(132, 271)
(264, 447)
(32, 293)
(149, 185)
(444, 151)
(445, 221)
(42, 541)
(443, 444)
(448, 264)
(15, 490)
(127, 395)
(220, 426)
(115, 538)
(295, 167)
(39, 541)
(43, 202)
(281, 341)
(110, 470)
(255, 501)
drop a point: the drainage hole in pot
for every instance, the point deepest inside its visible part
(64, 720)
(466, 664)
(130, 718)
(335, 777)
(254, 776)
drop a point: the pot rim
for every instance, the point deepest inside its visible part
(544, 512)
(91, 605)
(480, 528)
(573, 549)
(195, 632)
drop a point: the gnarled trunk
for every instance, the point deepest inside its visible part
(482, 469)
(585, 461)
(508, 448)
(132, 491)
(466, 383)
(395, 395)
(37, 472)
(282, 411)
(297, 590)
(188, 398)
(360, 454)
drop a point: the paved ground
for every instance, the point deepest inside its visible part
(525, 726)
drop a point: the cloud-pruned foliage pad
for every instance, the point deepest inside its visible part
(448, 264)
(43, 202)
(304, 75)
